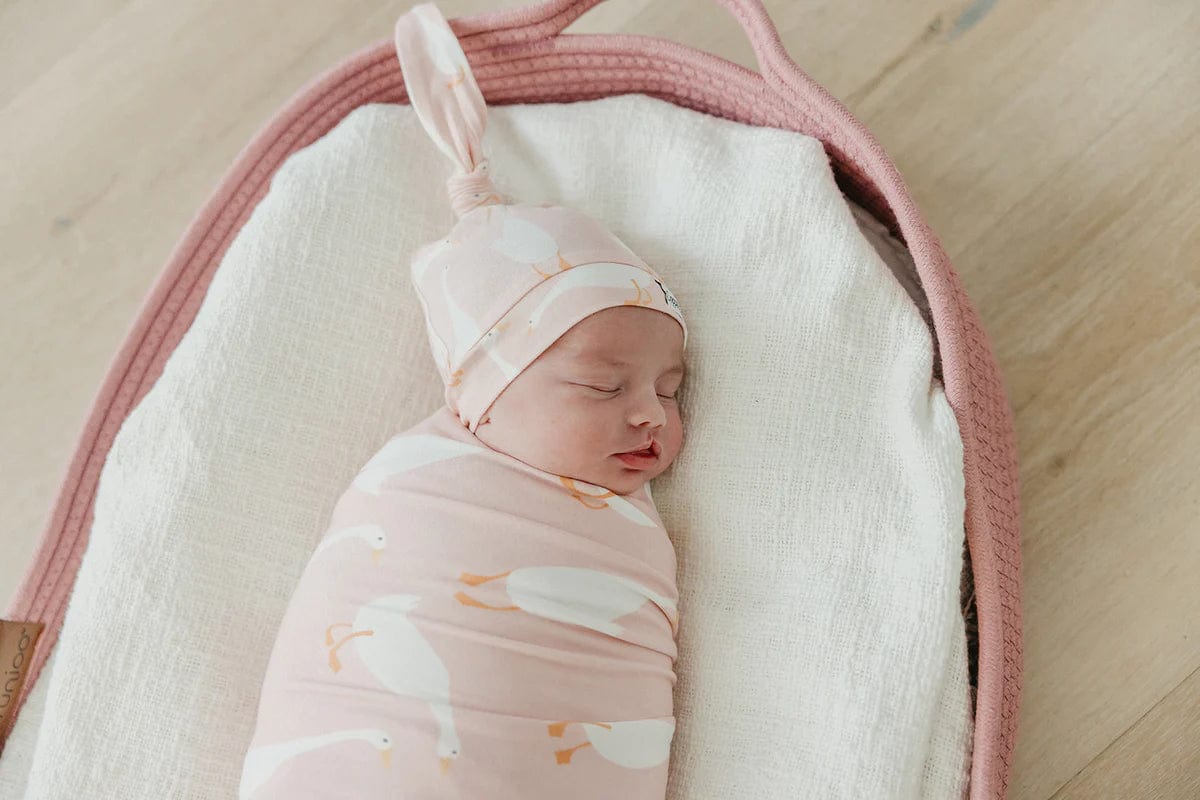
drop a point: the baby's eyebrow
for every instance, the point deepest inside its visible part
(609, 361)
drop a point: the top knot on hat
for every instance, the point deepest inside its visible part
(510, 278)
(474, 189)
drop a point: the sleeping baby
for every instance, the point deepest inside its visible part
(491, 612)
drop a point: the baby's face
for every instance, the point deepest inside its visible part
(607, 386)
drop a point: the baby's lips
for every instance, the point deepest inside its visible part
(654, 447)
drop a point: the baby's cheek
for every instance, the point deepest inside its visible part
(677, 436)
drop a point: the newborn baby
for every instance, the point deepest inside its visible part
(514, 639)
(492, 610)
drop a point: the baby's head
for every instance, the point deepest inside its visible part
(605, 387)
(556, 343)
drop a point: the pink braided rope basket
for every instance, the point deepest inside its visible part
(521, 56)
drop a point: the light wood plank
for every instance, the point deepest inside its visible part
(1053, 146)
(1156, 758)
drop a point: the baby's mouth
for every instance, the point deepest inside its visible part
(651, 449)
(643, 457)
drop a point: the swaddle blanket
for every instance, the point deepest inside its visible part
(471, 626)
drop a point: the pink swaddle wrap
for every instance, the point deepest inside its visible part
(473, 627)
(470, 625)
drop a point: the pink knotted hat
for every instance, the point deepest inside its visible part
(509, 278)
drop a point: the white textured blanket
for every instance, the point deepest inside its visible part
(817, 507)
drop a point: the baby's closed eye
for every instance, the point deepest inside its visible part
(614, 390)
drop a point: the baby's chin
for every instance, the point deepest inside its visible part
(625, 486)
(609, 474)
(616, 478)
(623, 480)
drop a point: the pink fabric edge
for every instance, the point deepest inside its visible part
(972, 380)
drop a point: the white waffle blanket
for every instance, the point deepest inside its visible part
(817, 507)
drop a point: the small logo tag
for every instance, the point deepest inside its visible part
(668, 297)
(17, 640)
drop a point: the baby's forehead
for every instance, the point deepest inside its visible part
(607, 358)
(610, 342)
(619, 358)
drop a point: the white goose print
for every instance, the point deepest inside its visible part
(490, 346)
(600, 273)
(440, 352)
(467, 333)
(575, 595)
(403, 453)
(372, 534)
(528, 243)
(262, 762)
(598, 497)
(420, 267)
(638, 744)
(421, 264)
(399, 657)
(446, 52)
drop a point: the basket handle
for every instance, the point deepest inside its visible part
(545, 20)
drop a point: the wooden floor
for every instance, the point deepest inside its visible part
(1054, 145)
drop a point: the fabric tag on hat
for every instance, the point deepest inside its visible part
(17, 641)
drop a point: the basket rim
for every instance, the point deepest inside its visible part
(519, 57)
